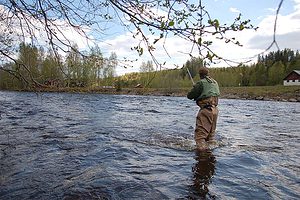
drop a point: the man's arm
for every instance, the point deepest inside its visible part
(195, 91)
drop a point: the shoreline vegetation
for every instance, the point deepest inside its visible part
(266, 93)
(260, 81)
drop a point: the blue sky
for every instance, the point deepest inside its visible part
(261, 13)
(251, 9)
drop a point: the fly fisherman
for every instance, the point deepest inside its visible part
(205, 93)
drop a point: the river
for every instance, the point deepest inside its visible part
(94, 146)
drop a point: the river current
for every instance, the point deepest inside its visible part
(94, 146)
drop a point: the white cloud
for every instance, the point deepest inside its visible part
(287, 31)
(297, 6)
(32, 30)
(273, 10)
(172, 47)
(255, 42)
(234, 10)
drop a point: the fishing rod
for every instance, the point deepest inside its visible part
(190, 75)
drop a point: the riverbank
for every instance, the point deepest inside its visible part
(266, 93)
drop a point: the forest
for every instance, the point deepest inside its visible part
(269, 70)
(44, 68)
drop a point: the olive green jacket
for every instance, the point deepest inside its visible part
(205, 88)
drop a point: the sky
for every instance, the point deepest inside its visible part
(262, 14)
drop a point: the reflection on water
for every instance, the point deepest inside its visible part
(92, 146)
(203, 171)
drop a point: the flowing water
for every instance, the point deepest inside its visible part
(93, 146)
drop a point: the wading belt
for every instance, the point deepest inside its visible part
(208, 103)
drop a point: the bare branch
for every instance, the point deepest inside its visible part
(161, 19)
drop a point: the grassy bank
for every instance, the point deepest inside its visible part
(280, 93)
(275, 93)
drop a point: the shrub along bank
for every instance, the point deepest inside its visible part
(267, 93)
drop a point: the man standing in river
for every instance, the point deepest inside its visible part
(205, 93)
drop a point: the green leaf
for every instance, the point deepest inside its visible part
(171, 23)
(216, 23)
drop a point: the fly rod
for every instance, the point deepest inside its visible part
(190, 75)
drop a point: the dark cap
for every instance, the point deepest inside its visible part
(203, 71)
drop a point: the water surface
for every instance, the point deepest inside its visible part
(93, 146)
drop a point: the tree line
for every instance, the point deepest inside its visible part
(46, 68)
(92, 69)
(270, 69)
